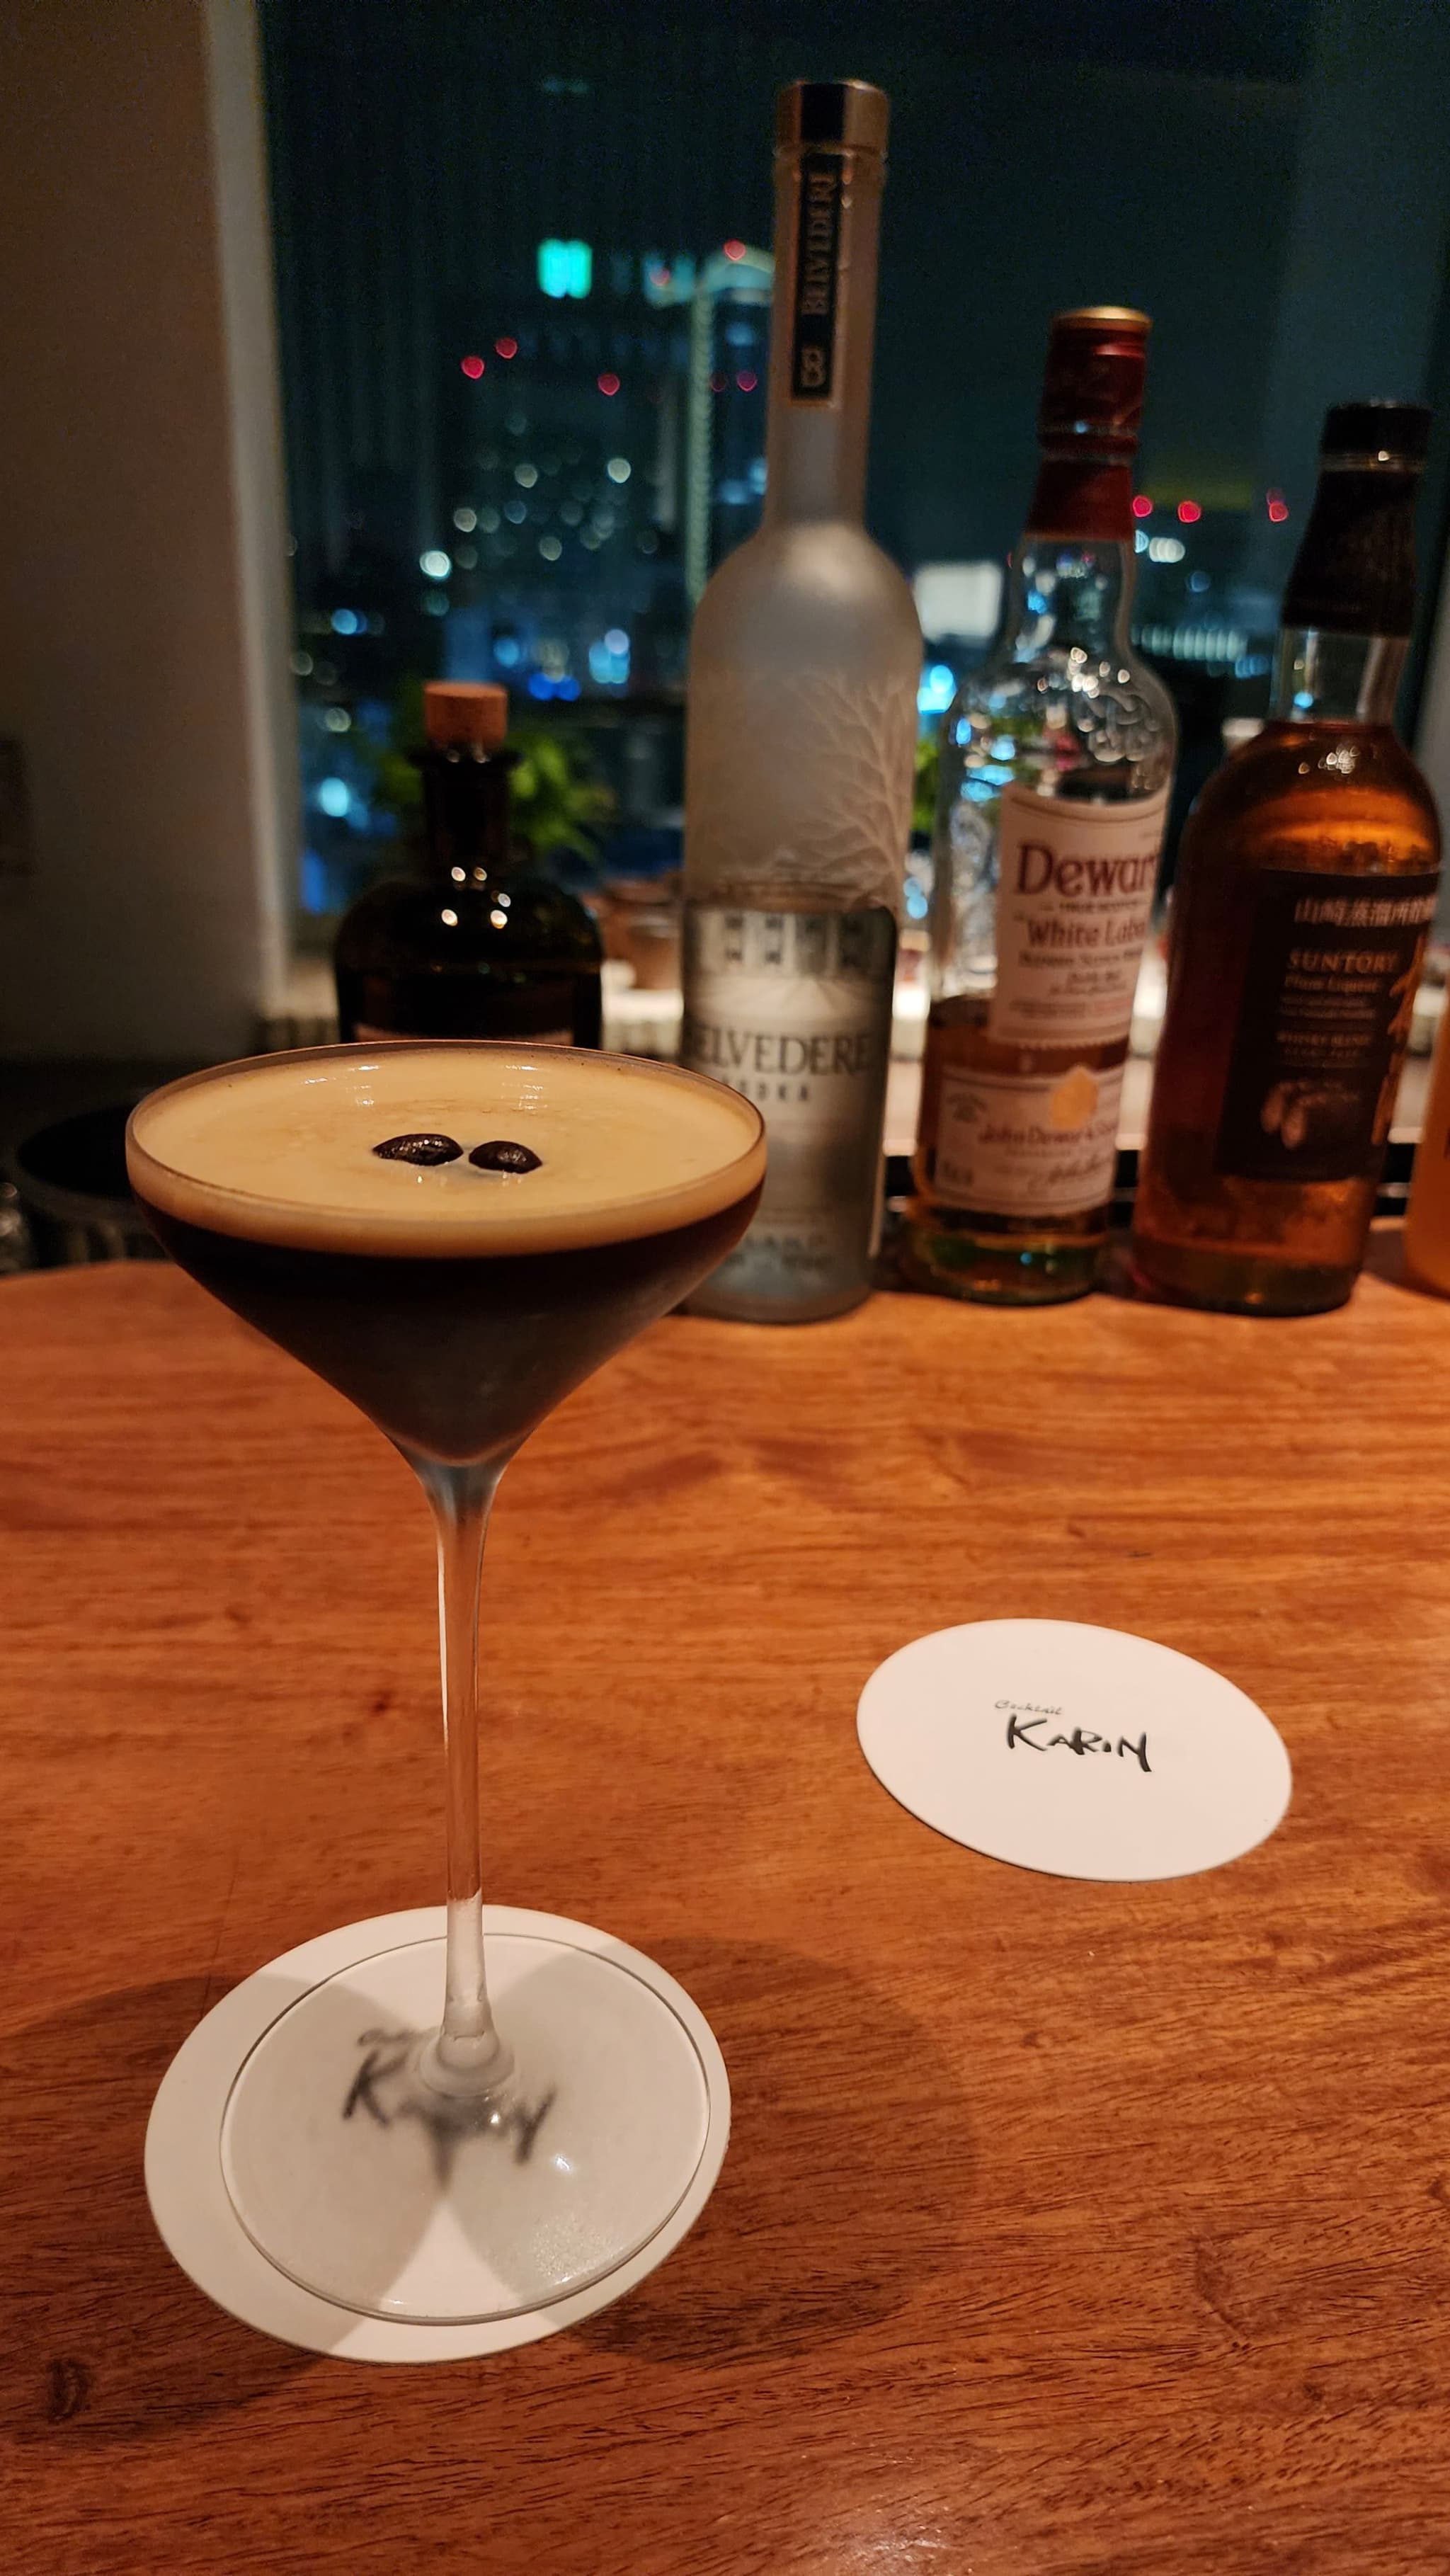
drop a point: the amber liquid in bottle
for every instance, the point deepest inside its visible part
(1306, 887)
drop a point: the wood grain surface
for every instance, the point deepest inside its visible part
(1066, 2230)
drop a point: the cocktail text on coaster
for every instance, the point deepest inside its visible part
(1081, 1751)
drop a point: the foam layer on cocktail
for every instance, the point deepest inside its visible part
(282, 1150)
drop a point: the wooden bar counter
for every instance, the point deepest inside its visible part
(1066, 2230)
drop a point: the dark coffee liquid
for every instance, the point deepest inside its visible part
(458, 1359)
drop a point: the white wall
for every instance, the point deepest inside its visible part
(143, 629)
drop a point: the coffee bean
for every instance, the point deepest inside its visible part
(502, 1156)
(419, 1149)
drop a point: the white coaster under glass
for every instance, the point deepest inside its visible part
(495, 2234)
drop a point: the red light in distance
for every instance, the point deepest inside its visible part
(472, 368)
(718, 384)
(1190, 513)
(608, 384)
(1278, 508)
(747, 382)
(734, 249)
(1142, 506)
(507, 348)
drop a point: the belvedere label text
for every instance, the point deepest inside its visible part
(818, 251)
(733, 1055)
(793, 1009)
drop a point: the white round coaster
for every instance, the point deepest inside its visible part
(1081, 1751)
(187, 2185)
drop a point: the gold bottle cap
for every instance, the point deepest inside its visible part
(1088, 317)
(1092, 385)
(851, 113)
(472, 714)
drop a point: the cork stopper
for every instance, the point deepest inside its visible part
(1092, 388)
(465, 715)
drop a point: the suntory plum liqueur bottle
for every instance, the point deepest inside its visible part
(804, 666)
(1304, 897)
(1057, 757)
(476, 943)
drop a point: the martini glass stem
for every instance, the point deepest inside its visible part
(467, 2054)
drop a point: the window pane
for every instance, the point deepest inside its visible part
(524, 276)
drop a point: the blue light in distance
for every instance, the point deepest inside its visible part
(565, 268)
(334, 796)
(937, 690)
(346, 621)
(609, 658)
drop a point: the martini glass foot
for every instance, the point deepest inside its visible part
(373, 2188)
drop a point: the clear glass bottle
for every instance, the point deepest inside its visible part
(804, 667)
(1057, 756)
(475, 943)
(1305, 892)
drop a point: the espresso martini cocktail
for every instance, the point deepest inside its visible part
(454, 1235)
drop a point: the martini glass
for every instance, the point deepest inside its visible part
(455, 1236)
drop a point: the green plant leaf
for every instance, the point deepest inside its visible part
(556, 805)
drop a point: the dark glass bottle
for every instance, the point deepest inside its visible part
(474, 943)
(1305, 891)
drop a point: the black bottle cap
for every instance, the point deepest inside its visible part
(1354, 573)
(847, 112)
(1387, 434)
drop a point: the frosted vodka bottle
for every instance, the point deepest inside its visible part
(804, 667)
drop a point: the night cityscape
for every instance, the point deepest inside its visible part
(524, 281)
